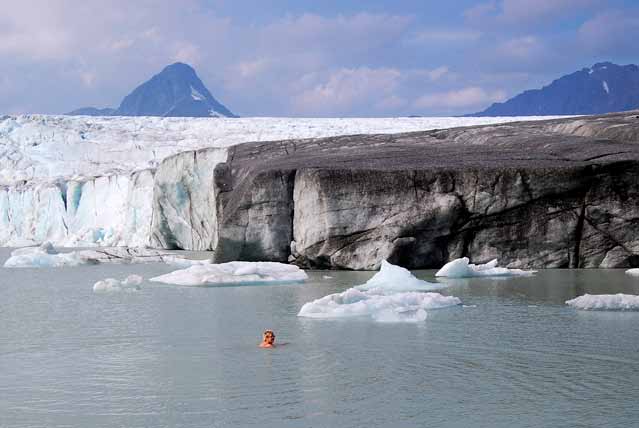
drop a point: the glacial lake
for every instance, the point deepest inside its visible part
(168, 356)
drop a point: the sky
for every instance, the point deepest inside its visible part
(325, 58)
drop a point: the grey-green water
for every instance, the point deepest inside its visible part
(187, 357)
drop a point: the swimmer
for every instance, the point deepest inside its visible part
(268, 340)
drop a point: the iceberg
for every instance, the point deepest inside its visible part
(131, 283)
(462, 268)
(234, 273)
(605, 302)
(46, 256)
(391, 295)
(633, 272)
(396, 278)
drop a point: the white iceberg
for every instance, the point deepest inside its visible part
(605, 302)
(109, 285)
(374, 304)
(47, 256)
(396, 278)
(633, 272)
(462, 268)
(391, 295)
(234, 273)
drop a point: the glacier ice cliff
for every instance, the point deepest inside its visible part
(554, 193)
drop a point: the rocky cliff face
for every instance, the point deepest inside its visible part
(560, 193)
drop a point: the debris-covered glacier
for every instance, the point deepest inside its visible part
(84, 181)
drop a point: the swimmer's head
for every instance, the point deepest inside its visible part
(269, 337)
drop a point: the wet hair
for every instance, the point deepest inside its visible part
(268, 331)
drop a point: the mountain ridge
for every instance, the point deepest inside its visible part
(176, 91)
(603, 88)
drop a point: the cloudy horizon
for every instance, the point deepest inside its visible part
(301, 58)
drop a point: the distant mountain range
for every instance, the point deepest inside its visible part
(176, 91)
(603, 88)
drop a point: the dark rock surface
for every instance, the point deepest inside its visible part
(603, 88)
(559, 193)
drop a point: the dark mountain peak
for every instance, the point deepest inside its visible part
(176, 91)
(603, 88)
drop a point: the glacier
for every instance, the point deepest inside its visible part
(90, 181)
(392, 295)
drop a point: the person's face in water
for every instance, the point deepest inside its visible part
(269, 337)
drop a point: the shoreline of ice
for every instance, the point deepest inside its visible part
(46, 256)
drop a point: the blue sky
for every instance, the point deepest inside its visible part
(307, 58)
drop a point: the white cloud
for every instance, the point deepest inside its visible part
(517, 12)
(348, 88)
(445, 36)
(611, 32)
(522, 48)
(472, 96)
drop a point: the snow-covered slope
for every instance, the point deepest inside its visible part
(79, 180)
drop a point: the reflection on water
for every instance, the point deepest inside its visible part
(188, 356)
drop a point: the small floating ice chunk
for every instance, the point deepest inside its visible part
(238, 273)
(605, 302)
(633, 272)
(374, 304)
(396, 278)
(131, 283)
(327, 277)
(462, 268)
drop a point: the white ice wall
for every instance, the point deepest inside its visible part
(111, 210)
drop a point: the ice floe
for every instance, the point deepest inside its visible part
(47, 256)
(131, 283)
(462, 268)
(605, 302)
(234, 273)
(633, 272)
(391, 295)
